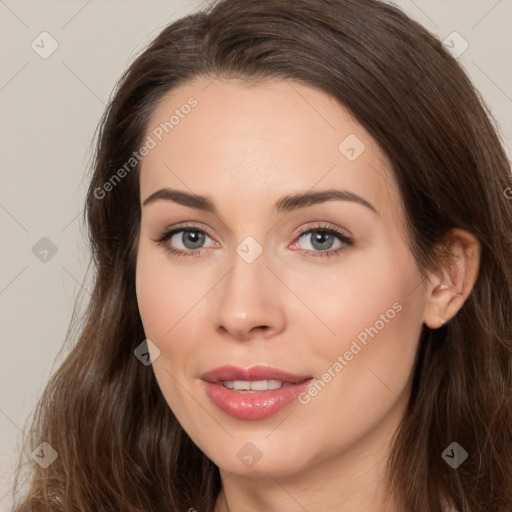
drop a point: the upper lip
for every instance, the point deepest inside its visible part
(258, 372)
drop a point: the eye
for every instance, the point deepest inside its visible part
(188, 240)
(323, 238)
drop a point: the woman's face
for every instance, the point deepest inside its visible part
(263, 279)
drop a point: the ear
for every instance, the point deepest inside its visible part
(452, 281)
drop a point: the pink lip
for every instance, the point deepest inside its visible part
(252, 405)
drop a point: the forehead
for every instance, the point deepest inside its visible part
(234, 140)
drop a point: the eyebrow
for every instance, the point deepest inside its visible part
(284, 204)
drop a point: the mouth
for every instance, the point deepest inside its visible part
(253, 393)
(258, 375)
(246, 386)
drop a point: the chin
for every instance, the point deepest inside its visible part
(257, 457)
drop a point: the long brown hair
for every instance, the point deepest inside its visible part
(119, 445)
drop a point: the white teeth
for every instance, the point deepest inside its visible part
(264, 385)
(241, 384)
(253, 385)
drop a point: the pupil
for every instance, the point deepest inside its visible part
(321, 237)
(194, 237)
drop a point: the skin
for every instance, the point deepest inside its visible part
(246, 146)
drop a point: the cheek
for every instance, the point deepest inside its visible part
(164, 293)
(161, 306)
(171, 310)
(376, 320)
(384, 326)
(152, 296)
(377, 288)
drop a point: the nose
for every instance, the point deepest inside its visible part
(249, 301)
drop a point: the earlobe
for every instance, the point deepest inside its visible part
(452, 281)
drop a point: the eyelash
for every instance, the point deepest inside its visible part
(168, 234)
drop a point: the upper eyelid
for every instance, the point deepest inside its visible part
(310, 226)
(322, 225)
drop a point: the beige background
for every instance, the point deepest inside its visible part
(50, 109)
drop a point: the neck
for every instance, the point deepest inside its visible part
(348, 481)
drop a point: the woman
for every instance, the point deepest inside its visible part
(300, 219)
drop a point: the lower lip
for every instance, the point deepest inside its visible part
(255, 405)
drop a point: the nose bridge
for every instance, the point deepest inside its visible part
(248, 299)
